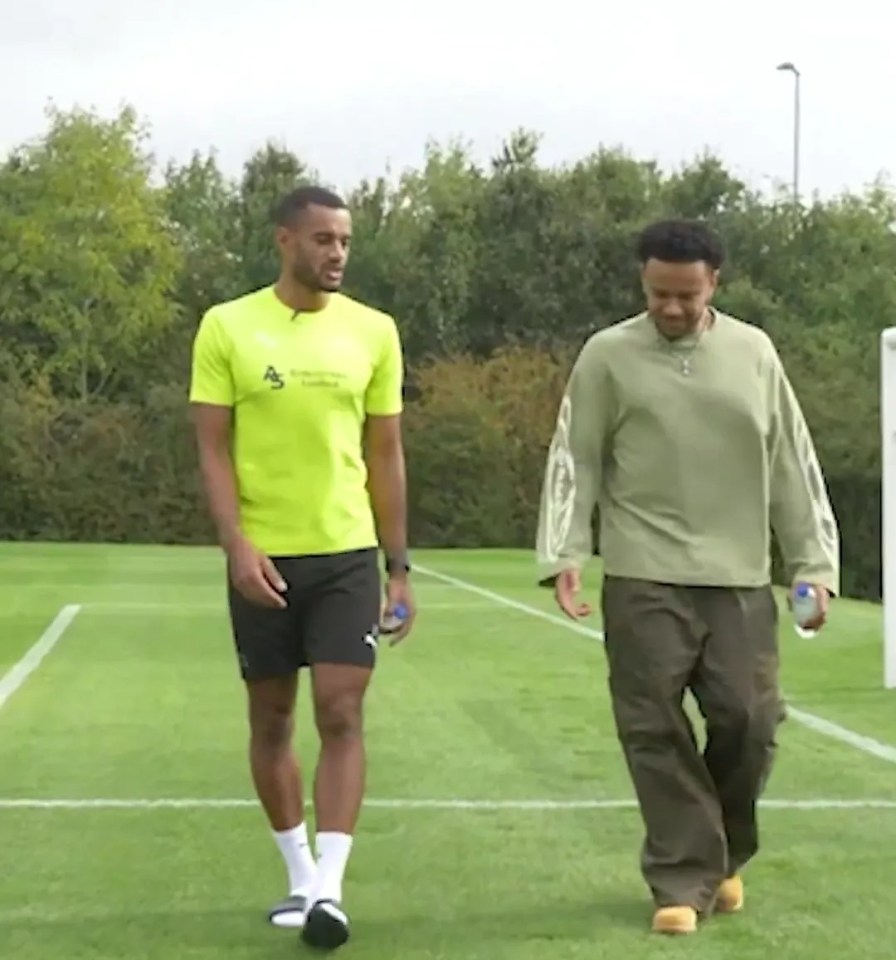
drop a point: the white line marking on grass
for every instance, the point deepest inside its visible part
(209, 590)
(124, 606)
(835, 731)
(513, 604)
(114, 606)
(22, 670)
(130, 586)
(812, 722)
(211, 803)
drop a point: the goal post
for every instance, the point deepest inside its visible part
(888, 499)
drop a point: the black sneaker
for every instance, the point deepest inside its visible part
(326, 926)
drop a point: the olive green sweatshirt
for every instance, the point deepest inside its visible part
(692, 450)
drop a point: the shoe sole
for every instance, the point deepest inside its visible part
(668, 931)
(323, 931)
(726, 908)
(674, 926)
(287, 919)
(289, 913)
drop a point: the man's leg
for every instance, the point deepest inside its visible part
(275, 771)
(340, 779)
(342, 643)
(652, 643)
(270, 652)
(736, 685)
(278, 784)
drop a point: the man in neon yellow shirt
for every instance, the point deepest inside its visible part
(297, 396)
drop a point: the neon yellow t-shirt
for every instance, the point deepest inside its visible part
(301, 389)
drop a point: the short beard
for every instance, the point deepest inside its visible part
(304, 277)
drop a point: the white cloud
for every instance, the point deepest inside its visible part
(354, 85)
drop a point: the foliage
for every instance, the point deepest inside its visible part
(87, 255)
(495, 273)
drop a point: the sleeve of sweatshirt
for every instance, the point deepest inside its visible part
(573, 473)
(800, 510)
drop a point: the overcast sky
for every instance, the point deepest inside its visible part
(358, 85)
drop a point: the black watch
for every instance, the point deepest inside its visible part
(399, 564)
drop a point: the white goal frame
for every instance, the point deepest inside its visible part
(888, 499)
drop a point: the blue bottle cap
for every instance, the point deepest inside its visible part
(803, 590)
(400, 611)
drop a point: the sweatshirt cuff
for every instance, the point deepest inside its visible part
(820, 578)
(548, 572)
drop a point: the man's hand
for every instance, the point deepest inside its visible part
(254, 575)
(566, 589)
(399, 593)
(824, 600)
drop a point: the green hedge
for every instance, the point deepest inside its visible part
(475, 438)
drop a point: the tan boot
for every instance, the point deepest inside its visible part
(730, 898)
(675, 920)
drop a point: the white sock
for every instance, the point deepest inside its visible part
(300, 864)
(333, 851)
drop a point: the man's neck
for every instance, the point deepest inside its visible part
(299, 298)
(706, 321)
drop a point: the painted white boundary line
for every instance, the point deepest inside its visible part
(21, 671)
(127, 588)
(828, 728)
(809, 720)
(123, 606)
(513, 604)
(185, 803)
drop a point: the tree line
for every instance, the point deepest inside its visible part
(496, 274)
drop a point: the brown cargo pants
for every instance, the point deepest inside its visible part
(698, 808)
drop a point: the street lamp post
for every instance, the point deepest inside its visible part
(790, 68)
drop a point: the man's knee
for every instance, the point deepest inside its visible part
(645, 720)
(271, 719)
(338, 700)
(765, 717)
(339, 716)
(748, 719)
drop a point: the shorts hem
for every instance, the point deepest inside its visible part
(258, 676)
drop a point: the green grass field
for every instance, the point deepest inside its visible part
(484, 729)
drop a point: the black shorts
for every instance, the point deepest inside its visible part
(332, 614)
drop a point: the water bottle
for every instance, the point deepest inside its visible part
(393, 621)
(804, 607)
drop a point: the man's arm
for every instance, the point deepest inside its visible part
(800, 511)
(212, 396)
(387, 485)
(213, 431)
(384, 451)
(574, 469)
(212, 399)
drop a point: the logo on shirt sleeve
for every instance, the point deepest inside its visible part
(560, 486)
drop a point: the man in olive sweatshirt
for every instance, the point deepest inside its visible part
(681, 426)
